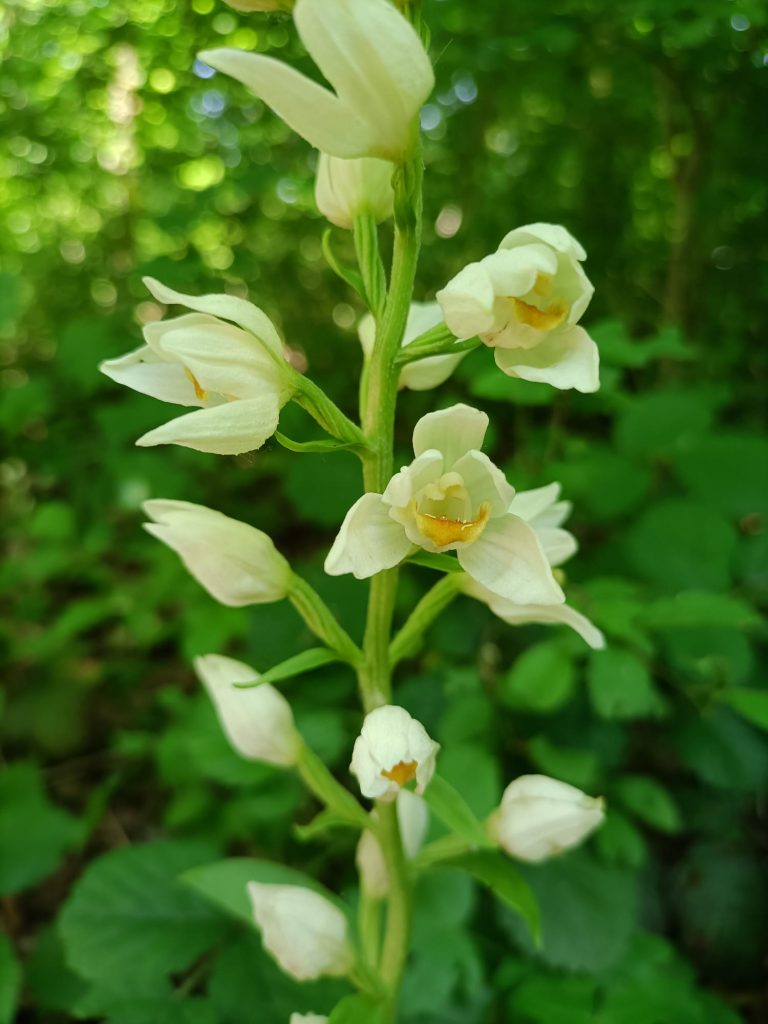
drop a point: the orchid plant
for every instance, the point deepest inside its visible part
(451, 509)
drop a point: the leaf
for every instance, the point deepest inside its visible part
(357, 1009)
(727, 472)
(454, 812)
(129, 919)
(750, 704)
(34, 833)
(618, 841)
(541, 679)
(10, 981)
(699, 608)
(649, 801)
(660, 423)
(324, 446)
(571, 764)
(352, 277)
(313, 658)
(621, 687)
(501, 876)
(320, 824)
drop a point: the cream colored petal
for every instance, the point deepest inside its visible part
(229, 429)
(531, 504)
(508, 559)
(550, 234)
(567, 359)
(453, 431)
(144, 371)
(310, 110)
(424, 374)
(485, 482)
(467, 302)
(514, 272)
(406, 485)
(346, 188)
(368, 541)
(228, 307)
(421, 317)
(559, 545)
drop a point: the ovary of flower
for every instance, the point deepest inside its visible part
(373, 59)
(450, 498)
(525, 301)
(235, 562)
(257, 721)
(345, 189)
(225, 358)
(392, 750)
(421, 374)
(412, 819)
(304, 931)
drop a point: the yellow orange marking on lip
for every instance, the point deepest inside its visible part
(541, 319)
(200, 393)
(401, 773)
(441, 530)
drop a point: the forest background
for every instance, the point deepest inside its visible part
(639, 126)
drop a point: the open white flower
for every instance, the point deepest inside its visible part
(258, 722)
(345, 189)
(373, 59)
(540, 817)
(392, 750)
(421, 374)
(304, 931)
(412, 819)
(450, 498)
(236, 563)
(525, 301)
(233, 372)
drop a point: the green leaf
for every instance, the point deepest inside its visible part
(324, 446)
(621, 687)
(699, 608)
(750, 704)
(660, 423)
(541, 680)
(548, 999)
(618, 841)
(10, 981)
(454, 812)
(34, 833)
(129, 919)
(323, 822)
(501, 876)
(727, 472)
(352, 277)
(357, 1010)
(649, 801)
(571, 764)
(310, 659)
(224, 883)
(443, 563)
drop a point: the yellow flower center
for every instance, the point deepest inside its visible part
(200, 393)
(542, 317)
(402, 772)
(441, 530)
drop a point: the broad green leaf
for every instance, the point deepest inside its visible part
(727, 471)
(128, 918)
(620, 686)
(660, 423)
(750, 704)
(34, 833)
(620, 842)
(357, 1009)
(451, 808)
(10, 981)
(541, 679)
(571, 764)
(649, 801)
(699, 608)
(475, 773)
(315, 657)
(549, 999)
(500, 875)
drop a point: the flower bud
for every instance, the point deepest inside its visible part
(303, 931)
(392, 750)
(346, 188)
(412, 818)
(258, 722)
(236, 563)
(540, 817)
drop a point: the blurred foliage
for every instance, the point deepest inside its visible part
(634, 124)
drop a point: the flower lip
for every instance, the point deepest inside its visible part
(444, 532)
(402, 772)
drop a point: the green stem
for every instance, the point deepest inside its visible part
(441, 343)
(321, 620)
(408, 640)
(395, 949)
(328, 791)
(322, 409)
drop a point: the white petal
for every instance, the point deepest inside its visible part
(346, 188)
(145, 371)
(564, 359)
(413, 819)
(422, 316)
(559, 545)
(514, 273)
(375, 61)
(406, 485)
(423, 374)
(368, 541)
(454, 432)
(228, 429)
(312, 111)
(508, 559)
(228, 307)
(485, 482)
(551, 234)
(467, 302)
(530, 504)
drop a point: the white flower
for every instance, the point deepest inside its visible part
(258, 722)
(412, 818)
(540, 817)
(234, 373)
(307, 1018)
(304, 932)
(373, 59)
(236, 563)
(344, 189)
(451, 497)
(421, 374)
(525, 301)
(392, 750)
